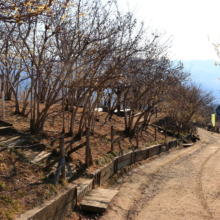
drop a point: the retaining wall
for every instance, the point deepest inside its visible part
(60, 207)
(101, 175)
(55, 209)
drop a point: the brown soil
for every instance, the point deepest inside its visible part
(100, 141)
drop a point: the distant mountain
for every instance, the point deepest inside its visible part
(205, 73)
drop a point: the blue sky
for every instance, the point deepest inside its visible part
(205, 73)
(190, 22)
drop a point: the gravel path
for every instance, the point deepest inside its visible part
(184, 184)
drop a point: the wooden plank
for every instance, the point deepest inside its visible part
(140, 157)
(141, 152)
(98, 200)
(5, 129)
(187, 145)
(41, 156)
(10, 139)
(76, 148)
(52, 163)
(153, 151)
(107, 172)
(124, 163)
(124, 157)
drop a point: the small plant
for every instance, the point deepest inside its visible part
(105, 159)
(108, 156)
(20, 155)
(114, 153)
(180, 142)
(63, 182)
(14, 170)
(22, 193)
(100, 161)
(7, 199)
(11, 207)
(2, 145)
(1, 185)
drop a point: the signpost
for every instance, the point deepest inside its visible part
(213, 119)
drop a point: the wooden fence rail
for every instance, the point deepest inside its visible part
(76, 148)
(61, 159)
(52, 163)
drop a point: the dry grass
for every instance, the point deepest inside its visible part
(22, 185)
(100, 141)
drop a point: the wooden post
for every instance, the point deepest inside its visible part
(178, 130)
(137, 136)
(62, 154)
(156, 112)
(165, 131)
(3, 106)
(87, 146)
(155, 134)
(112, 138)
(90, 157)
(63, 131)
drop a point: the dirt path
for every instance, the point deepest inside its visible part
(183, 185)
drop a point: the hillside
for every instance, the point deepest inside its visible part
(26, 175)
(99, 141)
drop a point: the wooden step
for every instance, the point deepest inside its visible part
(11, 141)
(188, 145)
(40, 156)
(5, 129)
(98, 200)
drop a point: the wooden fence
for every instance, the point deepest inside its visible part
(61, 160)
(119, 162)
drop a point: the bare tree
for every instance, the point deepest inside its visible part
(186, 103)
(17, 11)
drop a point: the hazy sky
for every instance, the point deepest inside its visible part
(189, 22)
